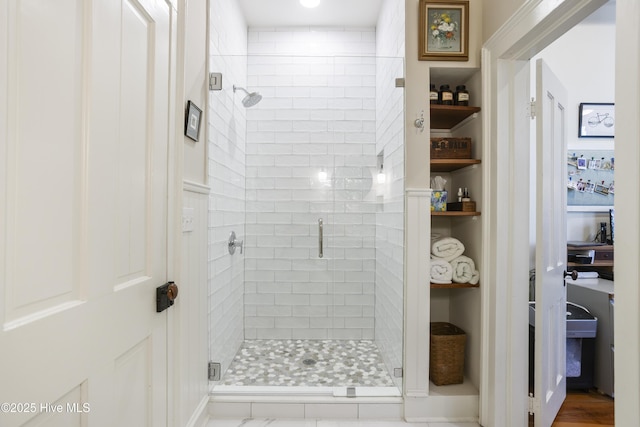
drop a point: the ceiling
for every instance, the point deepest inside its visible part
(275, 13)
(353, 13)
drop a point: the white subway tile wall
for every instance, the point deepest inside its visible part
(389, 288)
(309, 150)
(317, 100)
(226, 168)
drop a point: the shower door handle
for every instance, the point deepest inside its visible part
(320, 238)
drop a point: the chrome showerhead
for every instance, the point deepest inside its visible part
(251, 99)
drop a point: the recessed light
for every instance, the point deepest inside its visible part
(310, 3)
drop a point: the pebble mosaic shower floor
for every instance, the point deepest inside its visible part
(322, 363)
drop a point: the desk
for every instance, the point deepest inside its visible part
(597, 296)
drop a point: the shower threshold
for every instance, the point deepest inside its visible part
(300, 391)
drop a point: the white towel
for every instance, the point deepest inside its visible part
(475, 278)
(441, 271)
(447, 248)
(463, 269)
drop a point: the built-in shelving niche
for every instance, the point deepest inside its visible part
(460, 304)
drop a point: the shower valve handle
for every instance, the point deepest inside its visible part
(234, 243)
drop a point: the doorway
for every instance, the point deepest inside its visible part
(589, 359)
(506, 69)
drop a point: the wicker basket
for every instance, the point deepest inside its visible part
(446, 355)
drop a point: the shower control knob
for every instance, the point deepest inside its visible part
(234, 243)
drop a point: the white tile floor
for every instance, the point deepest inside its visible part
(270, 422)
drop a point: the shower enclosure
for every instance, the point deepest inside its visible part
(311, 179)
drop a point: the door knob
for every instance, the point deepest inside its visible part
(172, 291)
(573, 274)
(165, 296)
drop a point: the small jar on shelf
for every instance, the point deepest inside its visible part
(433, 94)
(445, 96)
(461, 96)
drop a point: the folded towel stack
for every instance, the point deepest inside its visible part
(448, 264)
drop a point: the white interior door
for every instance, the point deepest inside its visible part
(551, 246)
(84, 112)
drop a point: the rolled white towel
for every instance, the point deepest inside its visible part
(441, 271)
(447, 248)
(475, 278)
(463, 269)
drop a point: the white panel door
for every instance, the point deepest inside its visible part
(551, 245)
(84, 135)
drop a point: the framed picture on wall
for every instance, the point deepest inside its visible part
(444, 30)
(596, 120)
(192, 121)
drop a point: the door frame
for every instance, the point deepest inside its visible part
(506, 95)
(627, 153)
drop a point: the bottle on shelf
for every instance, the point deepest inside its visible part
(461, 97)
(445, 96)
(433, 94)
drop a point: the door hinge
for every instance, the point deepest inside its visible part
(531, 109)
(214, 371)
(534, 404)
(400, 82)
(215, 81)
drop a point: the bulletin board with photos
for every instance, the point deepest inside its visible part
(590, 182)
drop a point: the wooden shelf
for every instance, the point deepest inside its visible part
(449, 165)
(453, 285)
(603, 255)
(447, 116)
(594, 264)
(454, 213)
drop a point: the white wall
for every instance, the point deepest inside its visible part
(496, 13)
(191, 308)
(588, 75)
(195, 85)
(226, 168)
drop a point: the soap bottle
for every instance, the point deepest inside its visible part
(460, 194)
(465, 195)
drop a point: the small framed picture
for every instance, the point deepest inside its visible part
(192, 121)
(444, 30)
(596, 120)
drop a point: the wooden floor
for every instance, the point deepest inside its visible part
(584, 409)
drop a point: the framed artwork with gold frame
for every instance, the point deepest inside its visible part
(444, 30)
